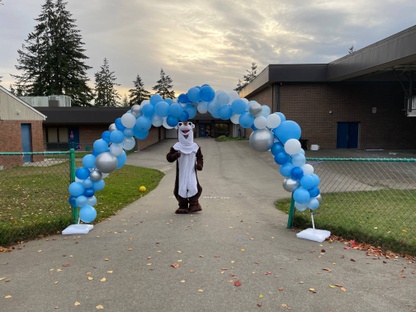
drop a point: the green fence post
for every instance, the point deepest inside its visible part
(72, 179)
(291, 213)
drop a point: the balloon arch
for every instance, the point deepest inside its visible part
(271, 131)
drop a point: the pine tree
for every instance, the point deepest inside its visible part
(105, 82)
(163, 86)
(125, 101)
(251, 75)
(139, 93)
(52, 58)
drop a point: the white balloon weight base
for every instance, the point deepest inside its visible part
(314, 234)
(78, 229)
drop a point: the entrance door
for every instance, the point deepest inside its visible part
(347, 134)
(26, 142)
(202, 133)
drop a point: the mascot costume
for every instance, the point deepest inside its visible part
(189, 159)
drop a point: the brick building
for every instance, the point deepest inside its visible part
(20, 129)
(364, 100)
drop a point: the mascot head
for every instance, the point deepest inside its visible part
(186, 133)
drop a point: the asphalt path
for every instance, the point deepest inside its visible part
(235, 255)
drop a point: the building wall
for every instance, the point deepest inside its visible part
(318, 107)
(12, 141)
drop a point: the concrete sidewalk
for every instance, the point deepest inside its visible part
(236, 255)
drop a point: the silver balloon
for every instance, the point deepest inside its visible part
(106, 162)
(95, 175)
(112, 127)
(290, 185)
(254, 108)
(136, 110)
(261, 140)
(319, 198)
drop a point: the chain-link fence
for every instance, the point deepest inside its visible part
(371, 200)
(34, 195)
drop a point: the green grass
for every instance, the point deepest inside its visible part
(34, 200)
(224, 138)
(382, 218)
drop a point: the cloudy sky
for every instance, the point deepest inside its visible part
(211, 41)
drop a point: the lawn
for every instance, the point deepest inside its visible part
(382, 218)
(34, 200)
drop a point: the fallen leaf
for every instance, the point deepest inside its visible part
(259, 304)
(66, 265)
(332, 286)
(90, 278)
(99, 307)
(284, 305)
(323, 250)
(237, 283)
(106, 259)
(40, 250)
(110, 272)
(280, 289)
(339, 285)
(7, 297)
(261, 296)
(77, 303)
(267, 273)
(103, 279)
(343, 289)
(175, 265)
(312, 290)
(129, 249)
(200, 290)
(352, 260)
(242, 250)
(327, 269)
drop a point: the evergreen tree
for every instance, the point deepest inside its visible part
(52, 58)
(251, 75)
(139, 93)
(125, 101)
(163, 86)
(105, 82)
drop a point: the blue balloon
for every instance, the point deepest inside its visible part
(117, 136)
(281, 158)
(169, 101)
(87, 214)
(100, 146)
(301, 207)
(172, 121)
(316, 178)
(286, 169)
(97, 186)
(121, 159)
(176, 110)
(76, 189)
(277, 147)
(82, 173)
(88, 161)
(140, 134)
(301, 195)
(72, 200)
(313, 204)
(287, 130)
(128, 132)
(206, 93)
(307, 181)
(282, 117)
(183, 98)
(297, 173)
(106, 136)
(213, 109)
(246, 120)
(223, 98)
(88, 192)
(143, 124)
(184, 117)
(87, 183)
(148, 110)
(119, 124)
(298, 159)
(162, 109)
(314, 191)
(155, 98)
(191, 110)
(239, 106)
(193, 94)
(225, 112)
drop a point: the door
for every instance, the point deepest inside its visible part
(347, 134)
(26, 142)
(73, 138)
(202, 133)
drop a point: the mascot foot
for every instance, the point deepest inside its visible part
(182, 211)
(195, 208)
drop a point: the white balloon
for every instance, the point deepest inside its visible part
(202, 107)
(128, 120)
(260, 122)
(165, 124)
(129, 143)
(235, 119)
(157, 121)
(292, 146)
(307, 169)
(265, 110)
(116, 149)
(273, 121)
